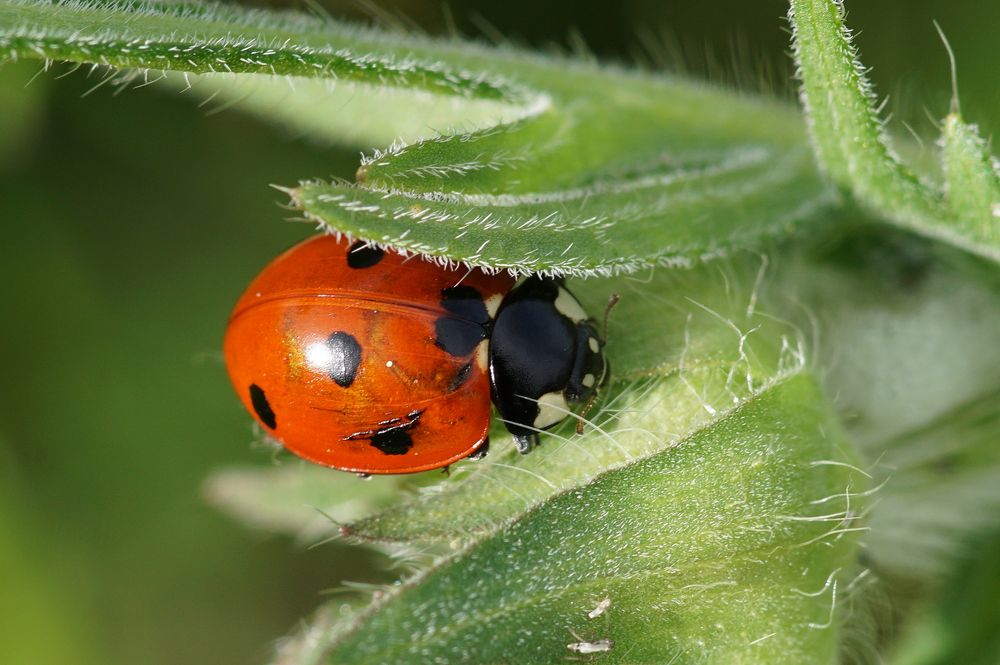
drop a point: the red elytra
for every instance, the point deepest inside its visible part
(356, 359)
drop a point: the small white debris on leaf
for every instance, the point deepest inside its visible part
(597, 646)
(600, 609)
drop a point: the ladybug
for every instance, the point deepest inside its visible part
(367, 361)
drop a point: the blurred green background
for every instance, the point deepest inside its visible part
(130, 225)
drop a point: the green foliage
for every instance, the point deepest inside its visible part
(714, 506)
(853, 146)
(583, 170)
(972, 180)
(729, 546)
(200, 38)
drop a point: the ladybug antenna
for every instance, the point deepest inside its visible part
(612, 301)
(581, 417)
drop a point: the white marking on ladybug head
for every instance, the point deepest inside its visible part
(588, 381)
(594, 345)
(569, 307)
(552, 408)
(493, 304)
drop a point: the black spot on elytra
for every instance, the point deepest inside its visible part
(345, 358)
(363, 255)
(467, 324)
(393, 442)
(261, 406)
(457, 337)
(461, 376)
(391, 437)
(465, 302)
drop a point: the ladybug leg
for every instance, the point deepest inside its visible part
(446, 470)
(480, 452)
(581, 417)
(525, 442)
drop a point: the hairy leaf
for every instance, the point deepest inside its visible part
(673, 216)
(537, 165)
(212, 38)
(729, 546)
(972, 179)
(855, 150)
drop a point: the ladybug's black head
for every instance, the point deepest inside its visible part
(545, 356)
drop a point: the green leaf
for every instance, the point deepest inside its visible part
(309, 645)
(212, 38)
(674, 216)
(342, 113)
(540, 164)
(853, 146)
(299, 499)
(972, 180)
(669, 174)
(732, 545)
